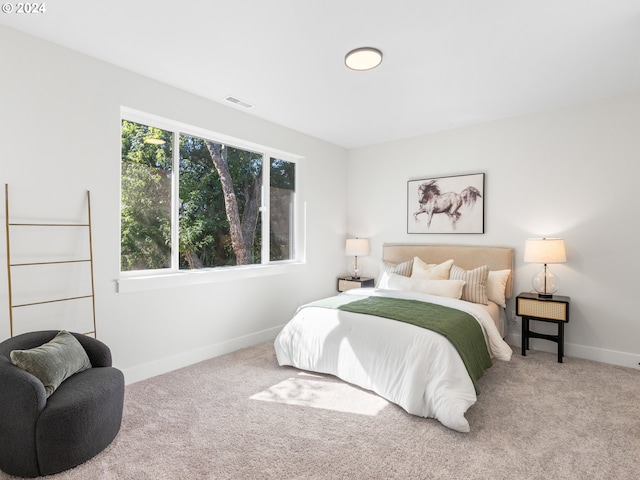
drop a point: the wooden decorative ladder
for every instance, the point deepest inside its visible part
(11, 265)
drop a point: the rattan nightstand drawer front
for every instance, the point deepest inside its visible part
(542, 309)
(347, 285)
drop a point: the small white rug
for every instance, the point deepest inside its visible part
(317, 392)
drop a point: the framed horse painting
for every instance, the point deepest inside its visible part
(446, 204)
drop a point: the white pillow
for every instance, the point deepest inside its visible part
(431, 271)
(497, 285)
(386, 268)
(383, 280)
(442, 288)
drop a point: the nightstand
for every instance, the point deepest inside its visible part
(530, 306)
(347, 283)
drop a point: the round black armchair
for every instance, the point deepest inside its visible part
(42, 436)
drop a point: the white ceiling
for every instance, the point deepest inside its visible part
(447, 63)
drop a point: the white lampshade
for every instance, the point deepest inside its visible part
(357, 247)
(545, 250)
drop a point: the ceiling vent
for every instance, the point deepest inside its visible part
(236, 101)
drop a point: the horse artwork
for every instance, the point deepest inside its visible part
(448, 202)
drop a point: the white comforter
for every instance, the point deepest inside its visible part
(411, 366)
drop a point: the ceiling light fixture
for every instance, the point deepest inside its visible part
(154, 141)
(365, 58)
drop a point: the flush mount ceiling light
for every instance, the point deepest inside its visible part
(364, 58)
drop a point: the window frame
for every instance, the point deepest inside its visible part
(142, 280)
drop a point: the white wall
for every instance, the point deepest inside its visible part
(571, 172)
(60, 135)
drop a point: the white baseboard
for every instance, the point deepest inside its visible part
(612, 357)
(168, 364)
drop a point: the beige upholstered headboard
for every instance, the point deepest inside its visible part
(465, 256)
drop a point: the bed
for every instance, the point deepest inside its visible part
(421, 338)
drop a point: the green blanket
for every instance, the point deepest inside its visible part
(460, 328)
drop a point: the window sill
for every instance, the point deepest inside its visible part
(185, 278)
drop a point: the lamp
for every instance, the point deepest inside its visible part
(365, 58)
(355, 247)
(545, 250)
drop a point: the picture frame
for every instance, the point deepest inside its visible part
(453, 204)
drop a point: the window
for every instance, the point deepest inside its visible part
(193, 200)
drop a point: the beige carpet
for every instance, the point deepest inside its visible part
(240, 416)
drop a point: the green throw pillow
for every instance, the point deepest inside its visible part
(53, 362)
